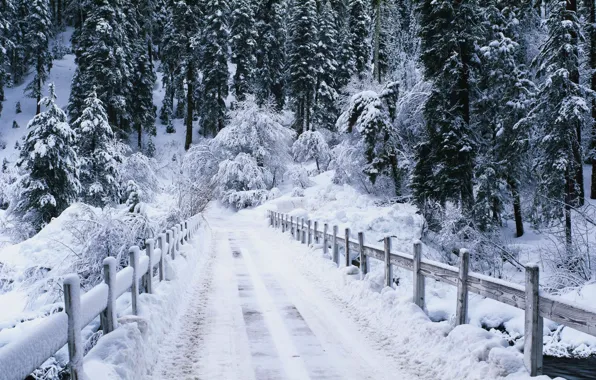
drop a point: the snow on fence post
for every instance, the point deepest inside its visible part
(108, 317)
(298, 229)
(169, 240)
(533, 322)
(148, 277)
(186, 231)
(270, 215)
(283, 224)
(334, 247)
(72, 306)
(288, 225)
(134, 253)
(363, 258)
(388, 268)
(303, 232)
(309, 239)
(325, 241)
(292, 225)
(316, 232)
(347, 248)
(419, 292)
(461, 310)
(180, 235)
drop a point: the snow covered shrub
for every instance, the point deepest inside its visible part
(298, 192)
(311, 145)
(15, 125)
(241, 182)
(368, 155)
(18, 108)
(133, 195)
(141, 170)
(298, 176)
(245, 199)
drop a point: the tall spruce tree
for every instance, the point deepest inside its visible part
(37, 39)
(302, 62)
(448, 27)
(558, 117)
(359, 26)
(244, 46)
(51, 182)
(99, 159)
(5, 10)
(214, 65)
(271, 53)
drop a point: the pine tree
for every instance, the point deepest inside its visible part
(5, 43)
(359, 34)
(143, 109)
(302, 60)
(447, 27)
(559, 118)
(271, 54)
(37, 39)
(214, 59)
(104, 60)
(344, 57)
(326, 112)
(18, 53)
(244, 45)
(51, 182)
(99, 173)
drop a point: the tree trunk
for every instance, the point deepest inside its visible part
(38, 93)
(189, 106)
(59, 13)
(569, 195)
(517, 211)
(140, 135)
(377, 38)
(592, 8)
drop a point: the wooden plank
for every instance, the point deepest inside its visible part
(461, 309)
(533, 323)
(309, 240)
(418, 280)
(348, 262)
(440, 272)
(316, 232)
(109, 322)
(508, 293)
(334, 246)
(148, 277)
(388, 267)
(72, 306)
(325, 241)
(568, 314)
(134, 290)
(161, 240)
(363, 257)
(292, 225)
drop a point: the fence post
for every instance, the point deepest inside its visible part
(72, 306)
(292, 225)
(303, 232)
(283, 224)
(533, 322)
(170, 241)
(419, 292)
(134, 289)
(186, 232)
(316, 232)
(309, 233)
(288, 225)
(388, 268)
(109, 277)
(148, 277)
(270, 215)
(161, 241)
(347, 248)
(180, 236)
(461, 311)
(363, 258)
(334, 247)
(325, 241)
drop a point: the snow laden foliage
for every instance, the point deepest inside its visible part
(368, 155)
(245, 160)
(311, 145)
(98, 155)
(140, 170)
(50, 182)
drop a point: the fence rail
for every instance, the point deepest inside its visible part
(29, 351)
(536, 304)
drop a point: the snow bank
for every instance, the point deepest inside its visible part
(130, 351)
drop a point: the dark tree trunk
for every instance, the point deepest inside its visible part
(38, 93)
(592, 8)
(517, 211)
(569, 195)
(140, 136)
(189, 106)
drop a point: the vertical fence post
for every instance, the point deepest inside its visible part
(363, 258)
(347, 248)
(134, 289)
(180, 236)
(303, 232)
(288, 225)
(309, 240)
(533, 323)
(461, 311)
(292, 225)
(334, 247)
(316, 232)
(170, 241)
(72, 305)
(186, 232)
(270, 218)
(419, 292)
(388, 268)
(325, 241)
(109, 277)
(148, 277)
(283, 224)
(161, 241)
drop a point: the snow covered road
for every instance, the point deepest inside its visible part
(253, 316)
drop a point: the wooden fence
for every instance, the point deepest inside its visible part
(28, 352)
(536, 304)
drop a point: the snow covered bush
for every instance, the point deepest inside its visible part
(140, 169)
(298, 176)
(311, 145)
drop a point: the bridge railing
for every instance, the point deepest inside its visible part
(25, 354)
(536, 304)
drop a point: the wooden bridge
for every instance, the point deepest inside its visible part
(537, 305)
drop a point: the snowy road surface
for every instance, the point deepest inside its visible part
(253, 316)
